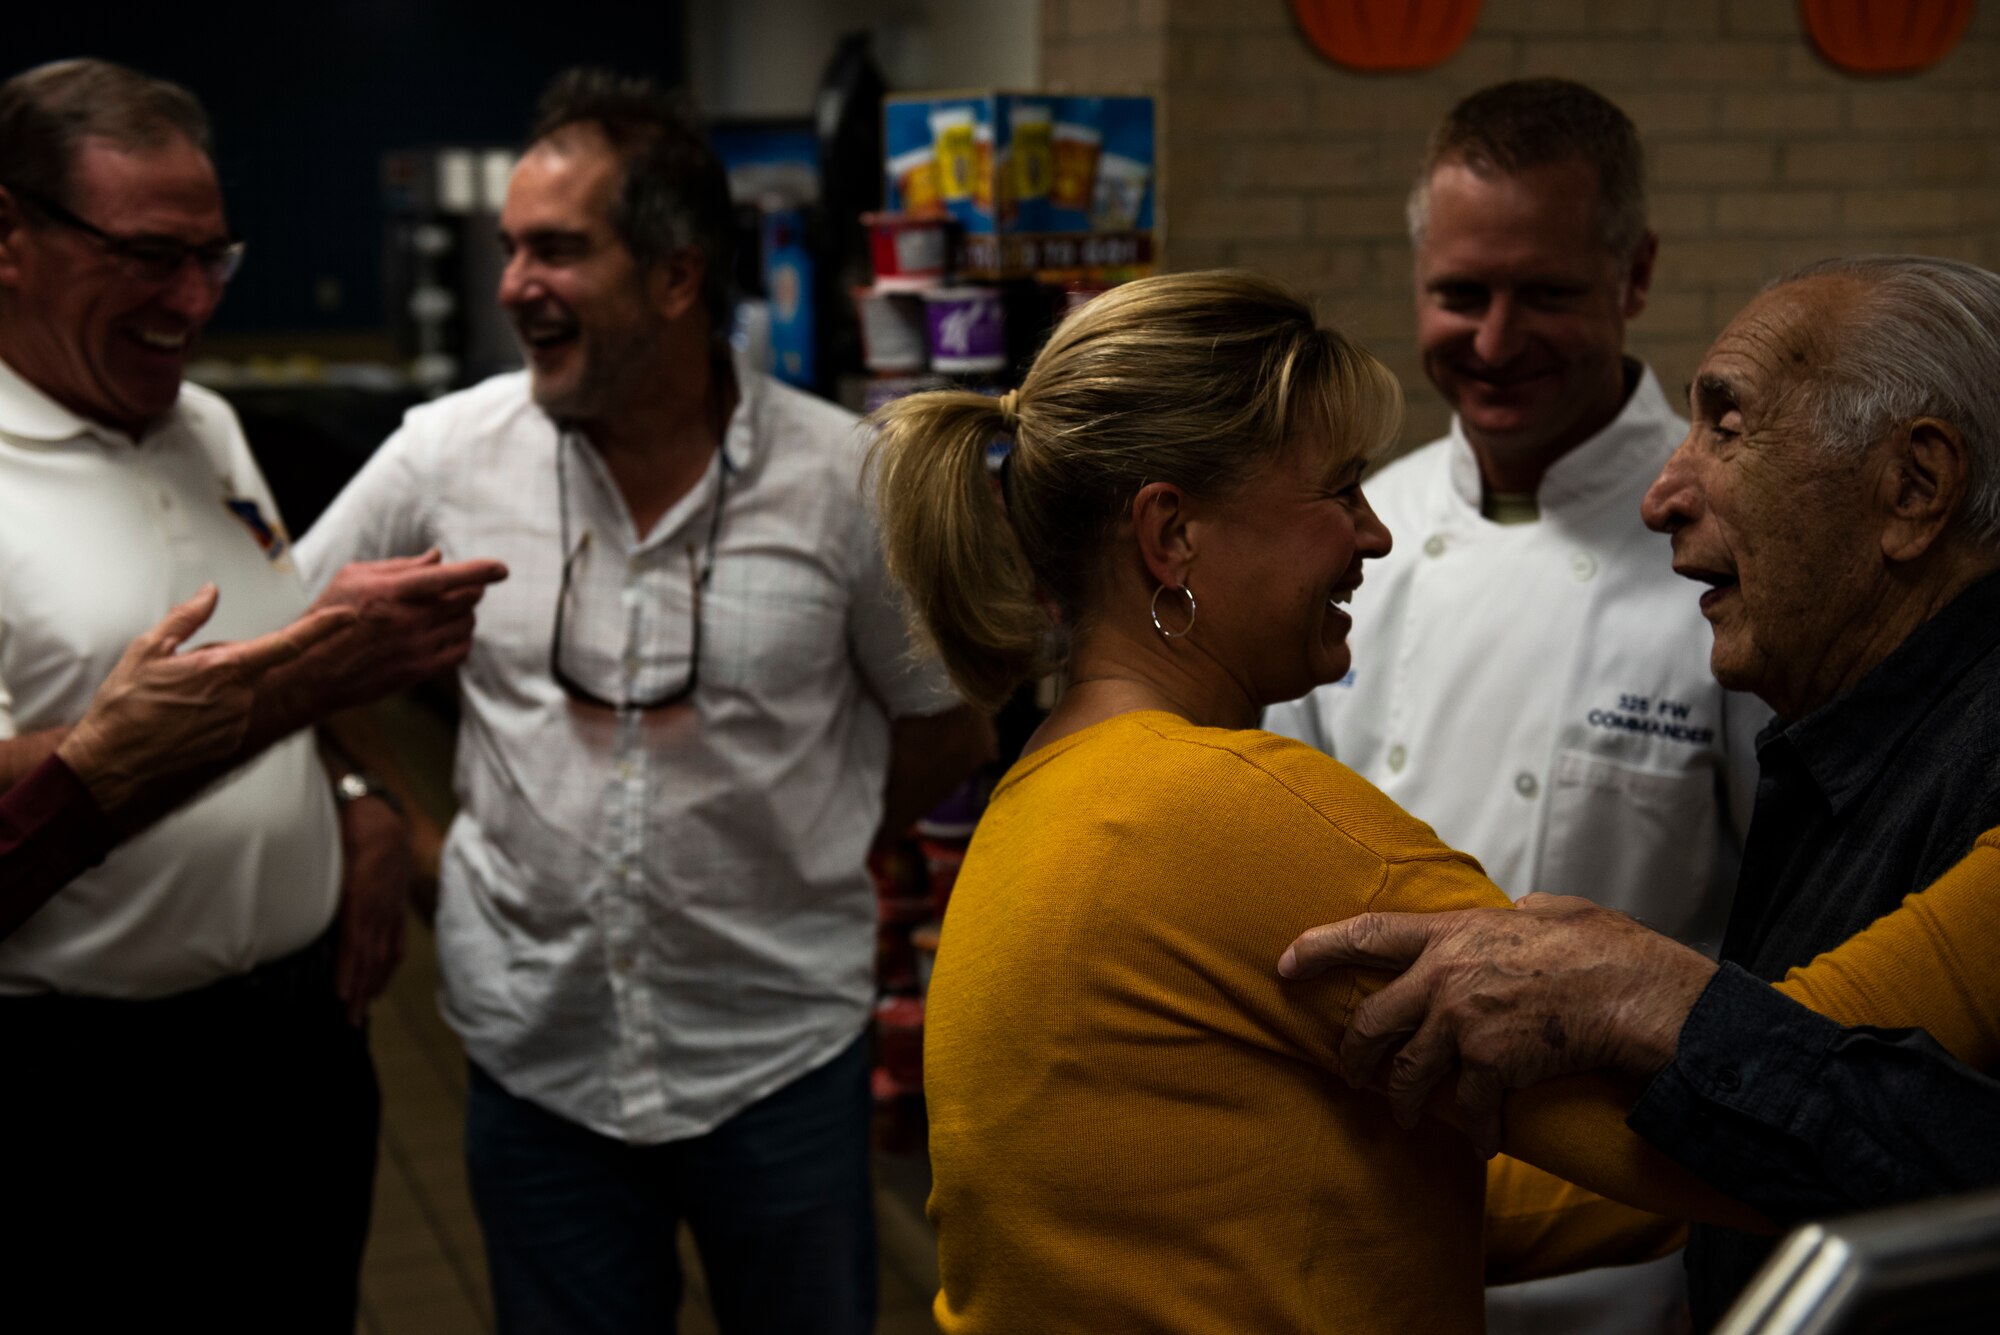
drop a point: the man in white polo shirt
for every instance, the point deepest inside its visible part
(189, 1111)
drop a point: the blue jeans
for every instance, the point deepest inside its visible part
(580, 1227)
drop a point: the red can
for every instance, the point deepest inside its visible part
(909, 252)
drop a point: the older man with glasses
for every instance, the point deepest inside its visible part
(684, 720)
(190, 1111)
(151, 259)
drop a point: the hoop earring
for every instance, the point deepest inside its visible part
(1185, 592)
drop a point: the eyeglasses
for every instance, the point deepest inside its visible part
(698, 577)
(154, 259)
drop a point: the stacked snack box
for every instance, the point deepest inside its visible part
(1001, 210)
(1036, 182)
(1002, 213)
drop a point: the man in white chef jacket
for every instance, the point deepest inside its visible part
(1530, 677)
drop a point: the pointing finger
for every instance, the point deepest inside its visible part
(436, 580)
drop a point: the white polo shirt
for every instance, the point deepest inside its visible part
(99, 536)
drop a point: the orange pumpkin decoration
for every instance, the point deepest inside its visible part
(1386, 34)
(1885, 36)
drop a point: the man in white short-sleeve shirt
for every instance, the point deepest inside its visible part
(1530, 676)
(683, 720)
(190, 1111)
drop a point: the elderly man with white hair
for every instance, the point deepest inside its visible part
(1838, 496)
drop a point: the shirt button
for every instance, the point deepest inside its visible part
(1434, 545)
(1396, 758)
(166, 500)
(1728, 1080)
(1583, 565)
(1525, 784)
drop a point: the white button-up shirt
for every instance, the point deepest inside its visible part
(1540, 693)
(99, 536)
(647, 921)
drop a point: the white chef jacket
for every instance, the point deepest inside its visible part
(648, 922)
(1540, 693)
(99, 536)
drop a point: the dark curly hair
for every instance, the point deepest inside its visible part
(675, 195)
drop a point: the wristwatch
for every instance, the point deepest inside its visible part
(354, 785)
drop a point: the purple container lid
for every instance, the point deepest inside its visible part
(967, 329)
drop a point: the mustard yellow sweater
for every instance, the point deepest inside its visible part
(1134, 1121)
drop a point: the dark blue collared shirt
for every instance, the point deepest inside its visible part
(1865, 800)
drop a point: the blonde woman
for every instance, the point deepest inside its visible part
(1135, 1124)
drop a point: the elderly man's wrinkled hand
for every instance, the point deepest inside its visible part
(161, 712)
(414, 619)
(1505, 997)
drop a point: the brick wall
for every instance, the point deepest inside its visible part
(1761, 156)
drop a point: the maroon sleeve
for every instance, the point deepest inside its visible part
(50, 831)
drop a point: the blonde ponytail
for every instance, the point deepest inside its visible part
(1197, 379)
(948, 542)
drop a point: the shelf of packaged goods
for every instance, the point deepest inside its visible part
(987, 257)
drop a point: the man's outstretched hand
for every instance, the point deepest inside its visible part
(412, 620)
(1505, 997)
(162, 712)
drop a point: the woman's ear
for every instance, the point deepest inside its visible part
(1160, 514)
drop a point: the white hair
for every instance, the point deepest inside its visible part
(1924, 342)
